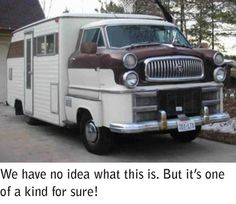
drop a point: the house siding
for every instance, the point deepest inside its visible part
(13, 15)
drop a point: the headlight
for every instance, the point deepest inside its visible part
(219, 74)
(218, 59)
(130, 60)
(130, 79)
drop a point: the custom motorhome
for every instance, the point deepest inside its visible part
(111, 73)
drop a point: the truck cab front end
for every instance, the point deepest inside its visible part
(141, 76)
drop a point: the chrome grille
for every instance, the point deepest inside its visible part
(174, 68)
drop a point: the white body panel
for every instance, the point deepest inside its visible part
(99, 86)
(15, 87)
(46, 73)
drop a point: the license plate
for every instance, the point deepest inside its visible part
(188, 125)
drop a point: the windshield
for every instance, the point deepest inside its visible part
(128, 35)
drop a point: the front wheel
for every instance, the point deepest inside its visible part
(185, 136)
(97, 140)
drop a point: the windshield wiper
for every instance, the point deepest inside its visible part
(141, 44)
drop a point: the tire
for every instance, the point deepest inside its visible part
(18, 108)
(96, 140)
(186, 137)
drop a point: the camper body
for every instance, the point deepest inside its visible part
(90, 70)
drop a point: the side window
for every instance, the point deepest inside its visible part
(94, 35)
(100, 42)
(91, 35)
(46, 45)
(50, 41)
(41, 48)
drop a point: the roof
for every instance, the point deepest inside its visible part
(127, 22)
(112, 15)
(17, 13)
(99, 16)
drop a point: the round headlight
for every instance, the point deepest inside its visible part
(130, 79)
(130, 60)
(218, 59)
(219, 74)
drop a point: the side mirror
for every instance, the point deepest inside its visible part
(88, 48)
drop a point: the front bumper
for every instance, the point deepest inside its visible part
(170, 124)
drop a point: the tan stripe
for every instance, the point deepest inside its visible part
(16, 49)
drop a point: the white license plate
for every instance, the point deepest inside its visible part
(188, 125)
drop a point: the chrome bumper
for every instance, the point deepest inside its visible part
(170, 124)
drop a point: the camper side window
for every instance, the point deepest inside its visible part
(41, 48)
(50, 44)
(46, 45)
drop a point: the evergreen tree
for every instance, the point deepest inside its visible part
(110, 7)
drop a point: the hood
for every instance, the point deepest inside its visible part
(164, 50)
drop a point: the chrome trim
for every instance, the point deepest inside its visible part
(171, 124)
(163, 120)
(125, 79)
(145, 108)
(206, 115)
(91, 132)
(215, 73)
(214, 57)
(211, 102)
(163, 66)
(210, 89)
(136, 59)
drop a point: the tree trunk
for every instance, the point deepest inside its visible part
(182, 15)
(212, 26)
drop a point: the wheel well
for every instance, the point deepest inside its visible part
(80, 113)
(18, 107)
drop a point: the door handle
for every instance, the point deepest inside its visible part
(30, 72)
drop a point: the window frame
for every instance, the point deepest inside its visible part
(37, 45)
(118, 48)
(45, 42)
(101, 31)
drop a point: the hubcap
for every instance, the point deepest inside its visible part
(91, 132)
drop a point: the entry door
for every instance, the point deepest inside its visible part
(3, 72)
(29, 74)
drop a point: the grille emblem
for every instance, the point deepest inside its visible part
(179, 68)
(179, 109)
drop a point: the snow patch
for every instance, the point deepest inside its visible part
(225, 127)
